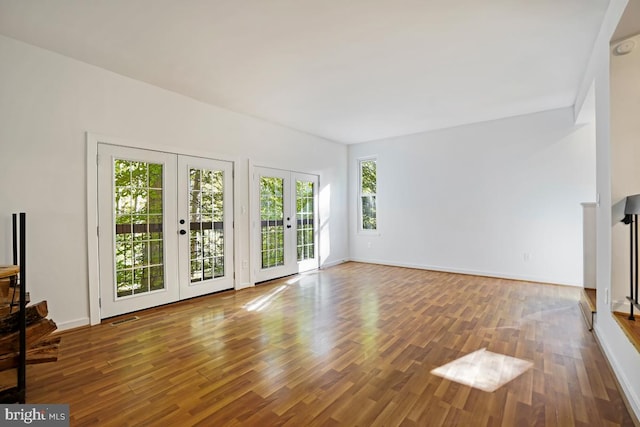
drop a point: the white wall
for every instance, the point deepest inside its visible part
(499, 198)
(48, 102)
(589, 245)
(625, 166)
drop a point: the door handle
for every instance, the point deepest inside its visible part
(288, 225)
(183, 232)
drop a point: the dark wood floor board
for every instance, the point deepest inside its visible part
(353, 345)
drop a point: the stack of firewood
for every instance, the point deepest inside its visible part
(41, 347)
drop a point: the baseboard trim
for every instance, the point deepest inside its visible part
(618, 377)
(72, 324)
(333, 263)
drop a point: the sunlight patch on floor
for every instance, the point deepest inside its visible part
(483, 370)
(261, 303)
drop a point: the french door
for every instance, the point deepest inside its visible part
(285, 224)
(165, 228)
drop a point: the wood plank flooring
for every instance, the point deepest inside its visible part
(587, 303)
(352, 345)
(631, 328)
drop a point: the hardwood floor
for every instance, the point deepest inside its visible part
(588, 305)
(631, 328)
(352, 345)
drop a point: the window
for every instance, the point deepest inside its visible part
(367, 190)
(305, 223)
(272, 220)
(137, 209)
(206, 227)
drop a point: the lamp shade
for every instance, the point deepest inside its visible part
(632, 205)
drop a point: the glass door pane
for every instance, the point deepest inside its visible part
(305, 220)
(138, 212)
(206, 228)
(272, 221)
(306, 208)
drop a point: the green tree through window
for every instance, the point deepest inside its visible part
(368, 191)
(272, 224)
(138, 227)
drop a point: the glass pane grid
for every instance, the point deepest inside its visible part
(206, 237)
(139, 263)
(271, 219)
(304, 220)
(368, 188)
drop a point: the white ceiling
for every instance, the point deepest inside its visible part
(347, 70)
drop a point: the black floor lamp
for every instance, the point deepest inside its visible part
(631, 211)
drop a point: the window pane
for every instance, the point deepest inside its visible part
(206, 204)
(271, 219)
(138, 211)
(369, 212)
(368, 178)
(368, 189)
(124, 286)
(304, 217)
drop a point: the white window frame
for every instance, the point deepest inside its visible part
(362, 230)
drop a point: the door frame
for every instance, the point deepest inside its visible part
(93, 256)
(254, 260)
